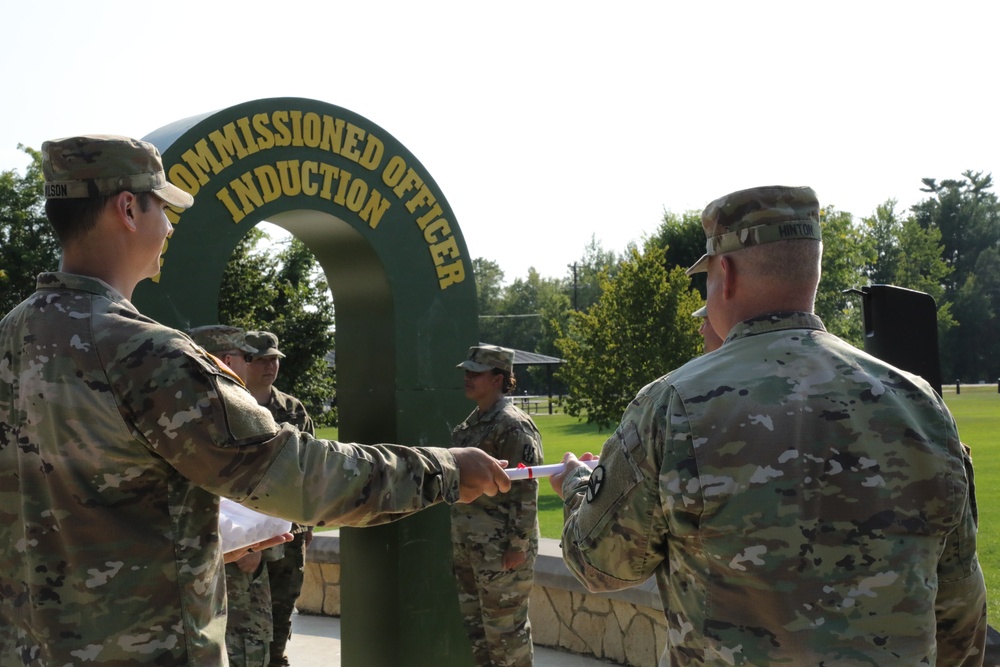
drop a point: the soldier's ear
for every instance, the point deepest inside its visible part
(122, 204)
(728, 276)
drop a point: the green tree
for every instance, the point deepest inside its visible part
(682, 237)
(489, 294)
(884, 231)
(640, 328)
(285, 293)
(489, 285)
(546, 306)
(965, 355)
(845, 250)
(584, 277)
(249, 289)
(528, 304)
(968, 216)
(908, 255)
(28, 245)
(523, 315)
(920, 265)
(966, 213)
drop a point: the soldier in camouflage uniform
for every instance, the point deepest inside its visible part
(249, 625)
(286, 562)
(799, 501)
(118, 435)
(494, 543)
(227, 343)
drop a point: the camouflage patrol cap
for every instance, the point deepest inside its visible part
(757, 216)
(487, 357)
(266, 344)
(100, 165)
(215, 338)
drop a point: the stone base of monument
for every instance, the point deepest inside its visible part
(626, 627)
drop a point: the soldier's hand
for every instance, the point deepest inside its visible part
(249, 563)
(513, 558)
(571, 463)
(479, 473)
(235, 555)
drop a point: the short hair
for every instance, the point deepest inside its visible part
(795, 261)
(72, 219)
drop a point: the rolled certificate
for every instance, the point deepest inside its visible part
(531, 472)
(241, 526)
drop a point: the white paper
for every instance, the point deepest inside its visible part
(535, 472)
(241, 526)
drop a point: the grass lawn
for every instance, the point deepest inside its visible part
(560, 434)
(976, 409)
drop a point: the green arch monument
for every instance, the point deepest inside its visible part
(406, 305)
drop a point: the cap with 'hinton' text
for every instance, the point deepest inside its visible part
(757, 216)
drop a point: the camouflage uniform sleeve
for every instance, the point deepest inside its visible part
(960, 605)
(521, 444)
(615, 531)
(193, 413)
(348, 484)
(300, 416)
(206, 425)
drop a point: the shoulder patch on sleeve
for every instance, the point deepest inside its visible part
(245, 420)
(595, 483)
(223, 367)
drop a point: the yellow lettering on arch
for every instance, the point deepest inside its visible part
(350, 148)
(227, 201)
(246, 191)
(372, 157)
(201, 160)
(270, 184)
(309, 169)
(289, 174)
(439, 225)
(333, 133)
(374, 208)
(182, 177)
(265, 137)
(227, 143)
(443, 250)
(284, 134)
(450, 274)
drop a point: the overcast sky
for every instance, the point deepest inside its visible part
(548, 123)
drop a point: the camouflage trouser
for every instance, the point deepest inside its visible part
(286, 575)
(494, 607)
(248, 625)
(247, 652)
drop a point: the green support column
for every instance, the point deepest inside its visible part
(406, 307)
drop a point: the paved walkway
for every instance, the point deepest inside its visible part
(316, 643)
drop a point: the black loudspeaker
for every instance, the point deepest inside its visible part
(901, 329)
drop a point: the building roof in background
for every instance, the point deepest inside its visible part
(521, 358)
(524, 358)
